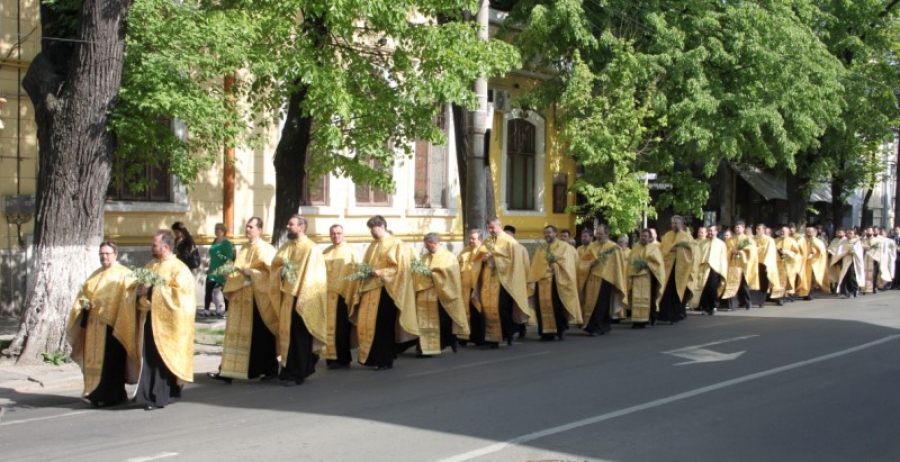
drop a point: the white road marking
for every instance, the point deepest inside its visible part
(49, 417)
(161, 455)
(697, 354)
(482, 363)
(497, 447)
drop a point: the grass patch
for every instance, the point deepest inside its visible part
(210, 331)
(57, 358)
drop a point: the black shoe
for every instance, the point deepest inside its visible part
(218, 376)
(808, 298)
(454, 346)
(384, 368)
(335, 365)
(151, 407)
(509, 340)
(423, 355)
(522, 330)
(290, 383)
(780, 302)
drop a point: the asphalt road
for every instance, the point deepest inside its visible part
(813, 381)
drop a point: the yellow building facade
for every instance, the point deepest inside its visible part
(530, 176)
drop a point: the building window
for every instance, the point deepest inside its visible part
(370, 196)
(315, 193)
(431, 171)
(151, 184)
(521, 159)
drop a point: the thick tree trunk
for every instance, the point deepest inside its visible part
(461, 136)
(73, 94)
(290, 164)
(798, 198)
(837, 204)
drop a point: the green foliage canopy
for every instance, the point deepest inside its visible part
(659, 86)
(375, 74)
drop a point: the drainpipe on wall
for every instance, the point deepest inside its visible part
(228, 189)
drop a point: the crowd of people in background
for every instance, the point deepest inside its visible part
(289, 307)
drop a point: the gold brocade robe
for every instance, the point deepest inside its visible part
(816, 265)
(242, 291)
(881, 253)
(392, 259)
(340, 262)
(470, 271)
(712, 255)
(834, 261)
(308, 295)
(105, 290)
(173, 308)
(442, 290)
(586, 260)
(803, 281)
(851, 253)
(741, 264)
(563, 272)
(768, 256)
(679, 254)
(506, 268)
(792, 259)
(641, 295)
(604, 261)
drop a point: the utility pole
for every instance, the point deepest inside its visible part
(478, 124)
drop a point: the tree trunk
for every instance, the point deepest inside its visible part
(73, 89)
(290, 164)
(837, 204)
(798, 198)
(461, 136)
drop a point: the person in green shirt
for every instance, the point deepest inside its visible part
(220, 252)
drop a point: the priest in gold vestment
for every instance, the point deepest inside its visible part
(743, 271)
(96, 346)
(792, 260)
(834, 262)
(385, 311)
(646, 273)
(770, 285)
(250, 347)
(852, 256)
(299, 292)
(470, 272)
(439, 302)
(710, 274)
(605, 285)
(502, 290)
(166, 305)
(815, 266)
(340, 261)
(679, 252)
(555, 286)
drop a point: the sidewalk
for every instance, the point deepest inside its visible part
(67, 379)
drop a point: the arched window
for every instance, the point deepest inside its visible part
(520, 165)
(522, 168)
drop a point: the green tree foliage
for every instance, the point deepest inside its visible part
(373, 75)
(862, 35)
(659, 86)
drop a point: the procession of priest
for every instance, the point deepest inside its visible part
(287, 307)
